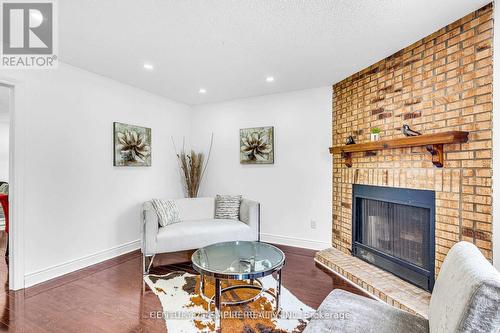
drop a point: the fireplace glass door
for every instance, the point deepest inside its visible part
(394, 229)
(397, 230)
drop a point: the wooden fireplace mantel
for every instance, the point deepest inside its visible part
(433, 142)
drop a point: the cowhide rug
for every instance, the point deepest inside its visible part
(184, 310)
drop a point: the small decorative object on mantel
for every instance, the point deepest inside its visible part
(375, 134)
(407, 131)
(132, 145)
(346, 156)
(192, 167)
(257, 145)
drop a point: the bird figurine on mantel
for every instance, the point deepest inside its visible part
(407, 131)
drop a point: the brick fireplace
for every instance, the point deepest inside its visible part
(440, 83)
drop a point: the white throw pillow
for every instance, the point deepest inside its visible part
(227, 207)
(167, 211)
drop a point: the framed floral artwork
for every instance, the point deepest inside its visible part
(132, 145)
(257, 145)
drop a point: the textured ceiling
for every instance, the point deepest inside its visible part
(229, 47)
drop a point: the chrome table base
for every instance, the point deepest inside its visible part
(256, 284)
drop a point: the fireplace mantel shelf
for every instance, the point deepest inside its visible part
(433, 142)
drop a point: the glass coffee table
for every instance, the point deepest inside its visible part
(239, 260)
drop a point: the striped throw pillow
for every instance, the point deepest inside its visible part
(227, 207)
(167, 211)
(4, 188)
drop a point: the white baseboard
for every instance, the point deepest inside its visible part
(295, 241)
(46, 274)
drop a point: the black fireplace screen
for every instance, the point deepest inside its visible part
(394, 229)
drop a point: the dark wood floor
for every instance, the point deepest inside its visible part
(107, 297)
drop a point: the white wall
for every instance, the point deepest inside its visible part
(77, 208)
(4, 147)
(297, 187)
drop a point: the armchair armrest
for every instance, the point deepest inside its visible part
(149, 229)
(250, 214)
(342, 311)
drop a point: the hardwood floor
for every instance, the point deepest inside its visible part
(107, 297)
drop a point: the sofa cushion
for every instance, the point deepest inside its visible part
(466, 295)
(166, 210)
(189, 235)
(342, 311)
(196, 208)
(227, 207)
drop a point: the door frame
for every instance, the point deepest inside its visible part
(16, 226)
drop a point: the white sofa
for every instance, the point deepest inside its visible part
(198, 227)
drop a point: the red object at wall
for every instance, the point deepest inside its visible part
(4, 200)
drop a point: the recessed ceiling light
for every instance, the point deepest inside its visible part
(202, 91)
(270, 79)
(148, 67)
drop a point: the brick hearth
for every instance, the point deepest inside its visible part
(375, 281)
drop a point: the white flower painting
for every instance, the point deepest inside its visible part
(257, 145)
(132, 145)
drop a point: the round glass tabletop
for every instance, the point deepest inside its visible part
(239, 260)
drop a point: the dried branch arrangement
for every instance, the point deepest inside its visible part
(192, 167)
